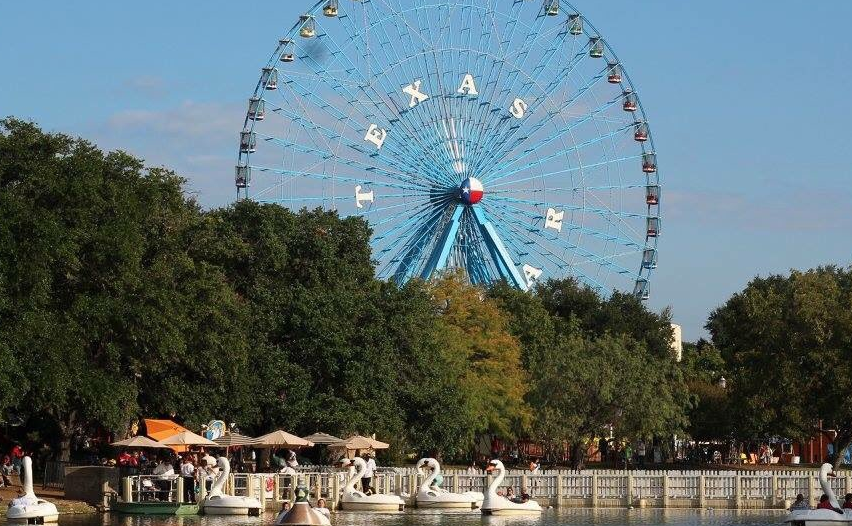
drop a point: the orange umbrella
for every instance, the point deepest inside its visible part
(162, 429)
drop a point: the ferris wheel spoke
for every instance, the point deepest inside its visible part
(588, 256)
(353, 103)
(530, 81)
(396, 161)
(325, 155)
(500, 170)
(327, 177)
(505, 136)
(570, 190)
(391, 93)
(570, 170)
(410, 258)
(418, 235)
(537, 217)
(410, 216)
(508, 88)
(521, 231)
(598, 211)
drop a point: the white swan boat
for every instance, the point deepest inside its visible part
(822, 517)
(355, 500)
(302, 513)
(434, 497)
(218, 503)
(498, 505)
(28, 508)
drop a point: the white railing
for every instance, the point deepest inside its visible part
(718, 488)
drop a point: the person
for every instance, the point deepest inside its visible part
(847, 502)
(367, 479)
(510, 493)
(322, 508)
(292, 462)
(824, 503)
(603, 447)
(641, 450)
(535, 466)
(22, 499)
(165, 474)
(202, 474)
(17, 455)
(800, 504)
(187, 471)
(6, 471)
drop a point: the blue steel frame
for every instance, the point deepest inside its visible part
(351, 74)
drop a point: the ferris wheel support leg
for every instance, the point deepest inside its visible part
(438, 260)
(501, 256)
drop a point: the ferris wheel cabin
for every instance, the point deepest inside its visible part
(631, 101)
(330, 9)
(614, 76)
(309, 27)
(257, 109)
(596, 47)
(575, 24)
(652, 195)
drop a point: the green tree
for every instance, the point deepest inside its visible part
(704, 370)
(787, 341)
(593, 363)
(473, 335)
(100, 296)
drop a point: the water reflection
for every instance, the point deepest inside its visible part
(564, 517)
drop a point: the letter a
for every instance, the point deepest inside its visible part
(468, 86)
(416, 95)
(376, 136)
(519, 108)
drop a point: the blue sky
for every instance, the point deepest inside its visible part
(749, 104)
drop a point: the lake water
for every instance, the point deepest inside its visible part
(564, 517)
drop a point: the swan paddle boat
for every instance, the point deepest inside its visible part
(302, 513)
(217, 503)
(28, 508)
(430, 496)
(355, 500)
(822, 517)
(498, 505)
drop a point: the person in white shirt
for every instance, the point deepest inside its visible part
(368, 474)
(322, 508)
(187, 471)
(165, 473)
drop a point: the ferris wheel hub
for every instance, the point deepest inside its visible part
(472, 191)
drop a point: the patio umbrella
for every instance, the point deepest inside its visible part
(234, 439)
(322, 439)
(139, 441)
(188, 438)
(360, 442)
(281, 439)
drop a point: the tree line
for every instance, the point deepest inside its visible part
(121, 298)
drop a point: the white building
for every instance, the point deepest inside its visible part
(677, 342)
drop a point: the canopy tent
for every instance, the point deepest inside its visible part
(163, 429)
(281, 439)
(188, 438)
(139, 441)
(322, 439)
(234, 439)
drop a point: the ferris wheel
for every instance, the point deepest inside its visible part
(502, 137)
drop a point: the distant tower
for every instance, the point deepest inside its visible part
(677, 342)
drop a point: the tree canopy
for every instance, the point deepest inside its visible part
(787, 341)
